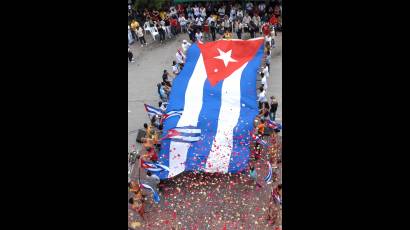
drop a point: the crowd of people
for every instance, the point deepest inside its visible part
(205, 22)
(208, 22)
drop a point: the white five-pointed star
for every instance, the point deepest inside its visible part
(226, 57)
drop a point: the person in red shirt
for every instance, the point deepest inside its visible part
(206, 31)
(265, 29)
(180, 9)
(174, 24)
(273, 20)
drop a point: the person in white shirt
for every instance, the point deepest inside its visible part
(198, 35)
(196, 11)
(221, 11)
(239, 14)
(209, 20)
(175, 68)
(262, 97)
(265, 71)
(264, 82)
(257, 20)
(182, 21)
(172, 11)
(185, 46)
(140, 35)
(180, 57)
(268, 39)
(162, 106)
(267, 59)
(203, 12)
(246, 20)
(262, 7)
(232, 14)
(227, 24)
(249, 7)
(238, 28)
(199, 21)
(272, 34)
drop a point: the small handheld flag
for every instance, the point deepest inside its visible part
(152, 111)
(183, 134)
(258, 139)
(268, 177)
(156, 197)
(273, 125)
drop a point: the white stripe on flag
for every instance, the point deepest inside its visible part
(188, 130)
(220, 154)
(186, 138)
(193, 103)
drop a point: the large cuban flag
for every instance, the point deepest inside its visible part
(216, 93)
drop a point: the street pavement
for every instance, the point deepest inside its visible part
(196, 201)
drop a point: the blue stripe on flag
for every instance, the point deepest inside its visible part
(241, 148)
(176, 103)
(188, 134)
(180, 83)
(208, 123)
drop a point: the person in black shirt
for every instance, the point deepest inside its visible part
(252, 29)
(273, 108)
(161, 32)
(165, 78)
(130, 55)
(213, 30)
(168, 27)
(191, 32)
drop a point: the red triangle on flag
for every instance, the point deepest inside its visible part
(223, 57)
